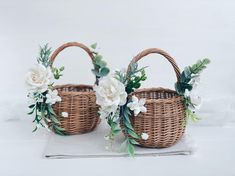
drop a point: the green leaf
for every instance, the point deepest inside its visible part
(128, 125)
(187, 72)
(104, 71)
(31, 112)
(59, 128)
(93, 46)
(32, 106)
(199, 66)
(95, 72)
(133, 134)
(62, 68)
(100, 63)
(130, 149)
(116, 131)
(35, 129)
(51, 110)
(54, 119)
(134, 142)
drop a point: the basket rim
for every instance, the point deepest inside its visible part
(75, 92)
(165, 100)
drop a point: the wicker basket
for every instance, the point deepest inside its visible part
(79, 101)
(165, 116)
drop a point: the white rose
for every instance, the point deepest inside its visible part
(38, 78)
(52, 97)
(110, 93)
(144, 136)
(137, 105)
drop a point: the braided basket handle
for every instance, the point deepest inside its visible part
(158, 51)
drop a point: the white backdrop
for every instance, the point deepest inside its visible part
(188, 29)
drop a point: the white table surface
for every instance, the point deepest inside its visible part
(21, 153)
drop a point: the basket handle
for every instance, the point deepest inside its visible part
(161, 52)
(71, 44)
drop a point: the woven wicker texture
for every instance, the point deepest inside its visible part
(165, 116)
(79, 101)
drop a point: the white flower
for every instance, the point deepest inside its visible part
(186, 93)
(107, 138)
(144, 136)
(38, 78)
(137, 105)
(64, 114)
(194, 98)
(110, 93)
(195, 81)
(52, 97)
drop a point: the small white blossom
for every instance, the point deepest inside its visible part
(144, 136)
(195, 81)
(137, 105)
(107, 137)
(52, 97)
(65, 114)
(186, 93)
(194, 98)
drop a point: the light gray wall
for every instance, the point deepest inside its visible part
(187, 29)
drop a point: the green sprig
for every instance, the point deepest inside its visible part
(44, 113)
(44, 55)
(189, 73)
(100, 66)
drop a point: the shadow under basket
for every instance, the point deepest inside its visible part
(79, 101)
(164, 120)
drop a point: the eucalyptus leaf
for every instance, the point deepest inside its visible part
(130, 149)
(128, 125)
(133, 134)
(31, 112)
(35, 129)
(104, 71)
(134, 142)
(51, 110)
(93, 46)
(54, 119)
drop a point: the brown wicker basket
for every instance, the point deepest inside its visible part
(165, 116)
(79, 101)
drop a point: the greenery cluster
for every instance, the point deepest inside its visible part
(44, 113)
(100, 66)
(188, 74)
(184, 83)
(132, 80)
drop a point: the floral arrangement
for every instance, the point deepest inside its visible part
(186, 87)
(116, 106)
(42, 96)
